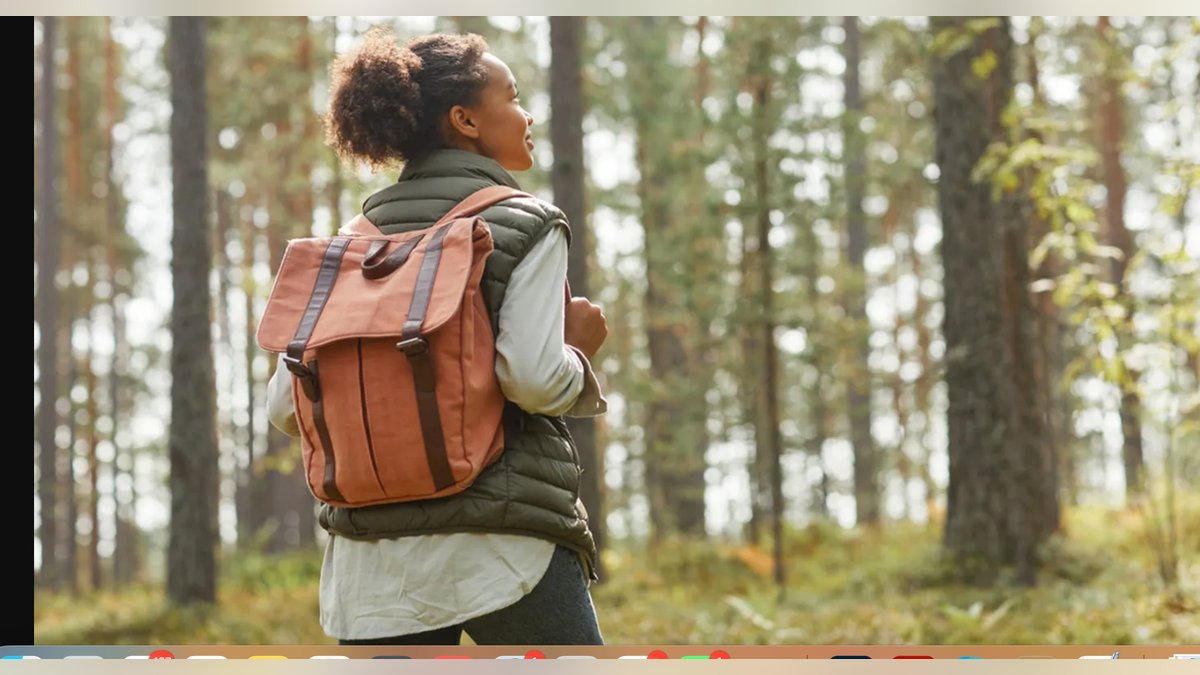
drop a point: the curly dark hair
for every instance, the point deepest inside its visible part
(387, 101)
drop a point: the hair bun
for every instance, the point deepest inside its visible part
(386, 98)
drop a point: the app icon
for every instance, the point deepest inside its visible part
(20, 657)
(137, 657)
(656, 654)
(1176, 656)
(576, 657)
(719, 654)
(970, 657)
(161, 654)
(81, 657)
(329, 657)
(535, 654)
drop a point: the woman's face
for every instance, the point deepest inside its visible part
(497, 127)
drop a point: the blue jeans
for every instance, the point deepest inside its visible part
(558, 611)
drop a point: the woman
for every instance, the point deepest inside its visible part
(510, 559)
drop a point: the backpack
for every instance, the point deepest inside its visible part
(392, 356)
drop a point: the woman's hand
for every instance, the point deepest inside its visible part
(584, 327)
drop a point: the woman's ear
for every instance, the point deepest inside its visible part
(462, 122)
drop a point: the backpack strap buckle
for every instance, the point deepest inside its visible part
(414, 346)
(308, 379)
(296, 367)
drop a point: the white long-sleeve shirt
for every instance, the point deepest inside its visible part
(390, 587)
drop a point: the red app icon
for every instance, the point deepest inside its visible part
(161, 654)
(719, 654)
(657, 654)
(535, 654)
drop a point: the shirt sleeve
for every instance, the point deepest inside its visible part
(281, 409)
(537, 370)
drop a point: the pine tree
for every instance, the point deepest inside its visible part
(47, 255)
(191, 555)
(996, 492)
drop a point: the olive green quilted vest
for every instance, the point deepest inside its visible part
(533, 489)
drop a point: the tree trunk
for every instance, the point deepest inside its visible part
(303, 504)
(221, 235)
(93, 439)
(1111, 139)
(272, 503)
(93, 236)
(816, 358)
(69, 479)
(750, 386)
(191, 555)
(271, 493)
(675, 442)
(77, 243)
(744, 318)
(50, 574)
(335, 186)
(249, 514)
(569, 182)
(770, 440)
(921, 388)
(903, 461)
(1049, 368)
(996, 492)
(114, 232)
(858, 386)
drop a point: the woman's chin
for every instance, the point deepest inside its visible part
(523, 164)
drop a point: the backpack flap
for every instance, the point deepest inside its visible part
(337, 288)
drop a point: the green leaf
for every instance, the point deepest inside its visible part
(1079, 213)
(951, 41)
(983, 65)
(981, 26)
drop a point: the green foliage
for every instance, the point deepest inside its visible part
(847, 587)
(257, 573)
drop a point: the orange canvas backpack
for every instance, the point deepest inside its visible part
(392, 356)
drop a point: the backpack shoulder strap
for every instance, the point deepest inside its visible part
(481, 200)
(360, 226)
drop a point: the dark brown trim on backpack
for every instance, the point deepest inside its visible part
(416, 348)
(307, 374)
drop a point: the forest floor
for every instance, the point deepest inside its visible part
(1099, 585)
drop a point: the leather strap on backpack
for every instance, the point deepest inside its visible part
(308, 375)
(416, 347)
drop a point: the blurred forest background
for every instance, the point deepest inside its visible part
(903, 314)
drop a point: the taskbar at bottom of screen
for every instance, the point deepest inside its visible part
(707, 652)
